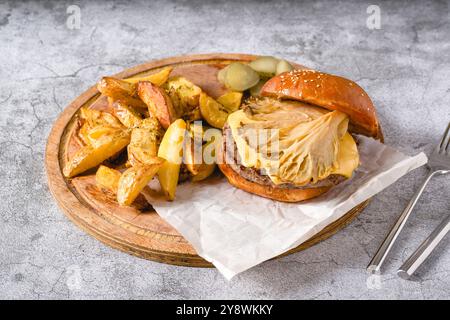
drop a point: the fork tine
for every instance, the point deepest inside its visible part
(447, 147)
(441, 145)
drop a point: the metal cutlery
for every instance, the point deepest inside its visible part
(438, 163)
(423, 251)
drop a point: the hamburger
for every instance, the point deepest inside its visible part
(297, 140)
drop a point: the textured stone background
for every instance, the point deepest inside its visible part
(405, 68)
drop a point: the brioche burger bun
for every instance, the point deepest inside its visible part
(309, 119)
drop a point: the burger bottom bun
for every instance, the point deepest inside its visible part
(267, 191)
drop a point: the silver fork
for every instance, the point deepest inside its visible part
(438, 163)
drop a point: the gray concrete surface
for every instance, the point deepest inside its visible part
(404, 66)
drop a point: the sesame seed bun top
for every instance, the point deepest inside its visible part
(330, 92)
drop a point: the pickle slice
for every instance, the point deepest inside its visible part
(240, 77)
(265, 66)
(256, 90)
(221, 74)
(284, 66)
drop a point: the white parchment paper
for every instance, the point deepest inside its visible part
(236, 230)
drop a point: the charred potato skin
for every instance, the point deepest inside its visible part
(158, 102)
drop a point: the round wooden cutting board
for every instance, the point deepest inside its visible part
(138, 230)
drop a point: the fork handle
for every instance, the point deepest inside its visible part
(379, 258)
(424, 250)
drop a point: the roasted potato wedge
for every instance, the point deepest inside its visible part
(158, 78)
(89, 119)
(213, 138)
(212, 111)
(151, 123)
(199, 169)
(96, 118)
(144, 143)
(91, 156)
(126, 114)
(95, 134)
(196, 130)
(83, 133)
(204, 171)
(231, 100)
(158, 102)
(118, 89)
(134, 179)
(134, 103)
(199, 156)
(209, 152)
(192, 155)
(193, 147)
(113, 87)
(107, 178)
(171, 149)
(185, 97)
(91, 116)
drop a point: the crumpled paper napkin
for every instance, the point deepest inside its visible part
(236, 230)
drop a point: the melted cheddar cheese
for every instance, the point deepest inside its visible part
(293, 142)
